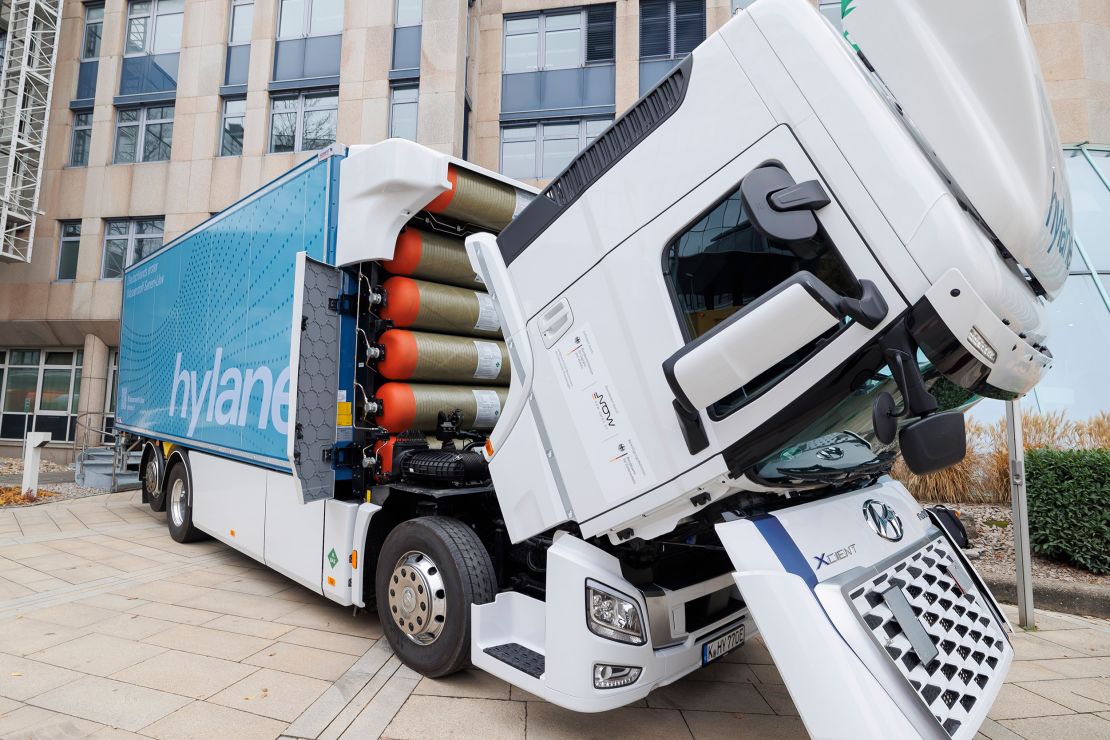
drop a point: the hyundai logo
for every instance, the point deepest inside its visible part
(883, 520)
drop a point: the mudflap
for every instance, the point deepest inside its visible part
(878, 625)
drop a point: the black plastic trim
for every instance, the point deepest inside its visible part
(951, 358)
(519, 657)
(820, 292)
(647, 114)
(693, 431)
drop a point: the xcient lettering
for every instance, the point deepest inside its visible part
(228, 400)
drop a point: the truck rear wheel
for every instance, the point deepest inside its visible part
(152, 479)
(179, 505)
(430, 570)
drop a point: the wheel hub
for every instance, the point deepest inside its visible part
(151, 478)
(417, 599)
(177, 502)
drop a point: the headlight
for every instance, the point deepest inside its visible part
(613, 617)
(614, 676)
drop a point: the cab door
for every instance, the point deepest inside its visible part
(708, 328)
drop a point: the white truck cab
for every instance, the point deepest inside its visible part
(594, 438)
(724, 309)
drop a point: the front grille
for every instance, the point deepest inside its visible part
(969, 639)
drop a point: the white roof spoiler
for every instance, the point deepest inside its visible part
(967, 80)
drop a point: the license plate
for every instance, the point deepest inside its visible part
(714, 649)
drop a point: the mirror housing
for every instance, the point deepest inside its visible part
(934, 442)
(751, 341)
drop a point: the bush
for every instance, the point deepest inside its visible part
(1069, 505)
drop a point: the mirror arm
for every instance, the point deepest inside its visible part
(901, 357)
(869, 309)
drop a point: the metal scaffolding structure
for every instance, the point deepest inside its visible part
(25, 83)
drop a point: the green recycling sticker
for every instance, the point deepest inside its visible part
(333, 558)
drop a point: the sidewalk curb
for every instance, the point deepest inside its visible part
(1070, 598)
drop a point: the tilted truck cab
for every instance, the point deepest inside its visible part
(651, 410)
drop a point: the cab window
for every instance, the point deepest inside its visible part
(721, 263)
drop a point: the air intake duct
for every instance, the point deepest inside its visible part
(430, 256)
(414, 355)
(408, 406)
(416, 304)
(442, 466)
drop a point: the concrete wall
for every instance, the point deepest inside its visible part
(1073, 43)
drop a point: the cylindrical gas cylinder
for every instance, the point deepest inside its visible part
(430, 256)
(417, 304)
(416, 405)
(415, 355)
(477, 199)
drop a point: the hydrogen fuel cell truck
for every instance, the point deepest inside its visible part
(594, 438)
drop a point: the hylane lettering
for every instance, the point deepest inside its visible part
(225, 398)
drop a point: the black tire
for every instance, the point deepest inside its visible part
(460, 560)
(151, 479)
(179, 510)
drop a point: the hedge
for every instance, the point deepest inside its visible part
(1069, 505)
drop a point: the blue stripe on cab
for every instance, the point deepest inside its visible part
(785, 548)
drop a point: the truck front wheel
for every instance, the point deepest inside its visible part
(179, 505)
(430, 570)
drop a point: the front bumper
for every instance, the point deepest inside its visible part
(554, 653)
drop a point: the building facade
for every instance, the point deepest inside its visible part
(166, 111)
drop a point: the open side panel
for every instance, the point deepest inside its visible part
(315, 372)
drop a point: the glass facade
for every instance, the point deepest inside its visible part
(1079, 320)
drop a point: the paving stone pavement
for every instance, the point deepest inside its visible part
(110, 629)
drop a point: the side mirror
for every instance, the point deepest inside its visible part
(933, 443)
(751, 341)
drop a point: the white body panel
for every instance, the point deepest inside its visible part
(382, 186)
(293, 532)
(339, 536)
(229, 502)
(984, 114)
(259, 512)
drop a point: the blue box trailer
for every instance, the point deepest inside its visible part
(205, 356)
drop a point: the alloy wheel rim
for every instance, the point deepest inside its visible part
(177, 502)
(417, 598)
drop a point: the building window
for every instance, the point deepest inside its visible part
(542, 150)
(559, 39)
(242, 19)
(409, 13)
(231, 132)
(82, 137)
(41, 391)
(154, 26)
(144, 134)
(68, 248)
(128, 240)
(94, 31)
(402, 112)
(670, 29)
(303, 123)
(310, 18)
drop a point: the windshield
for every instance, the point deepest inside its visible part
(841, 446)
